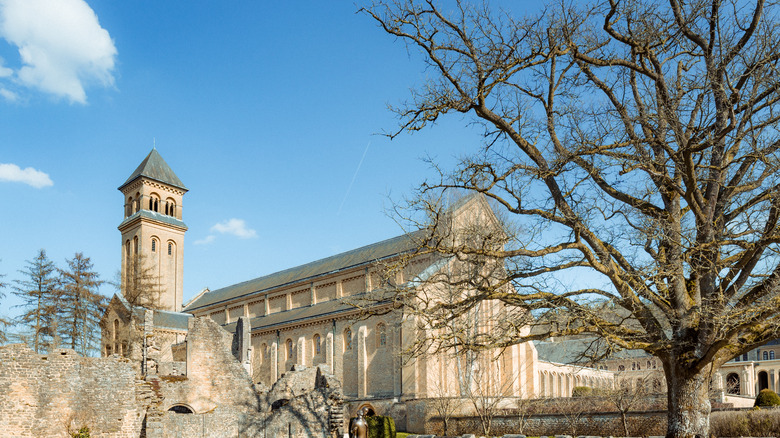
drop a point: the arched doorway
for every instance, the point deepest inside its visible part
(763, 380)
(180, 409)
(732, 383)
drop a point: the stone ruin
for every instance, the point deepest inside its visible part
(209, 393)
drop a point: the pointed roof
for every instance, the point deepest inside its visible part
(154, 167)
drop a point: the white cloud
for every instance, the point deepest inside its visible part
(208, 239)
(236, 227)
(8, 95)
(61, 45)
(29, 176)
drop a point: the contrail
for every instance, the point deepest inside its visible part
(353, 178)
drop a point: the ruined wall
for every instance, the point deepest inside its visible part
(45, 395)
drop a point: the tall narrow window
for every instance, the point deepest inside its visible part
(347, 339)
(154, 245)
(290, 350)
(316, 341)
(772, 355)
(765, 355)
(151, 203)
(170, 248)
(381, 335)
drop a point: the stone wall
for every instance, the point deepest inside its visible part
(48, 395)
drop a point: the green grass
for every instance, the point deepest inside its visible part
(401, 434)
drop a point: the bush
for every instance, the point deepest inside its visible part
(82, 433)
(767, 398)
(582, 391)
(760, 422)
(380, 427)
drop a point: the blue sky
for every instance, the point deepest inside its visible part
(267, 111)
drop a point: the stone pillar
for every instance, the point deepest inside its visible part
(362, 364)
(329, 352)
(242, 343)
(274, 362)
(395, 344)
(300, 352)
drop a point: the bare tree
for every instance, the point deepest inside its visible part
(627, 394)
(82, 305)
(39, 292)
(487, 389)
(141, 285)
(630, 143)
(445, 404)
(3, 322)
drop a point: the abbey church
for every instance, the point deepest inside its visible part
(301, 317)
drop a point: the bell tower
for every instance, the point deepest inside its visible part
(153, 235)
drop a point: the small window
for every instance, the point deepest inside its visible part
(317, 347)
(347, 339)
(170, 248)
(765, 355)
(745, 357)
(290, 350)
(621, 368)
(381, 335)
(154, 245)
(772, 355)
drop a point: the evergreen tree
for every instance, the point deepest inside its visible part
(40, 294)
(81, 305)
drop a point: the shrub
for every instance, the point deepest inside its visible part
(380, 427)
(82, 433)
(767, 398)
(761, 422)
(582, 391)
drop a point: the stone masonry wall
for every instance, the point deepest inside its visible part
(48, 395)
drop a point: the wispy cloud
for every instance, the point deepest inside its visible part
(61, 45)
(29, 176)
(234, 227)
(208, 239)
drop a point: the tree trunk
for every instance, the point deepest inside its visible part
(689, 405)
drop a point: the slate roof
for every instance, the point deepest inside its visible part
(349, 259)
(148, 214)
(154, 167)
(293, 316)
(171, 320)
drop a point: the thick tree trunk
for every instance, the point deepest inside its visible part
(689, 405)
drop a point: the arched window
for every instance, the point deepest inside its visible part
(765, 355)
(381, 335)
(154, 245)
(116, 329)
(772, 355)
(732, 383)
(621, 367)
(347, 339)
(317, 347)
(170, 248)
(290, 351)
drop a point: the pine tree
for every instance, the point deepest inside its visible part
(40, 295)
(81, 305)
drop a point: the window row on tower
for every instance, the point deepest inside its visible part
(135, 204)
